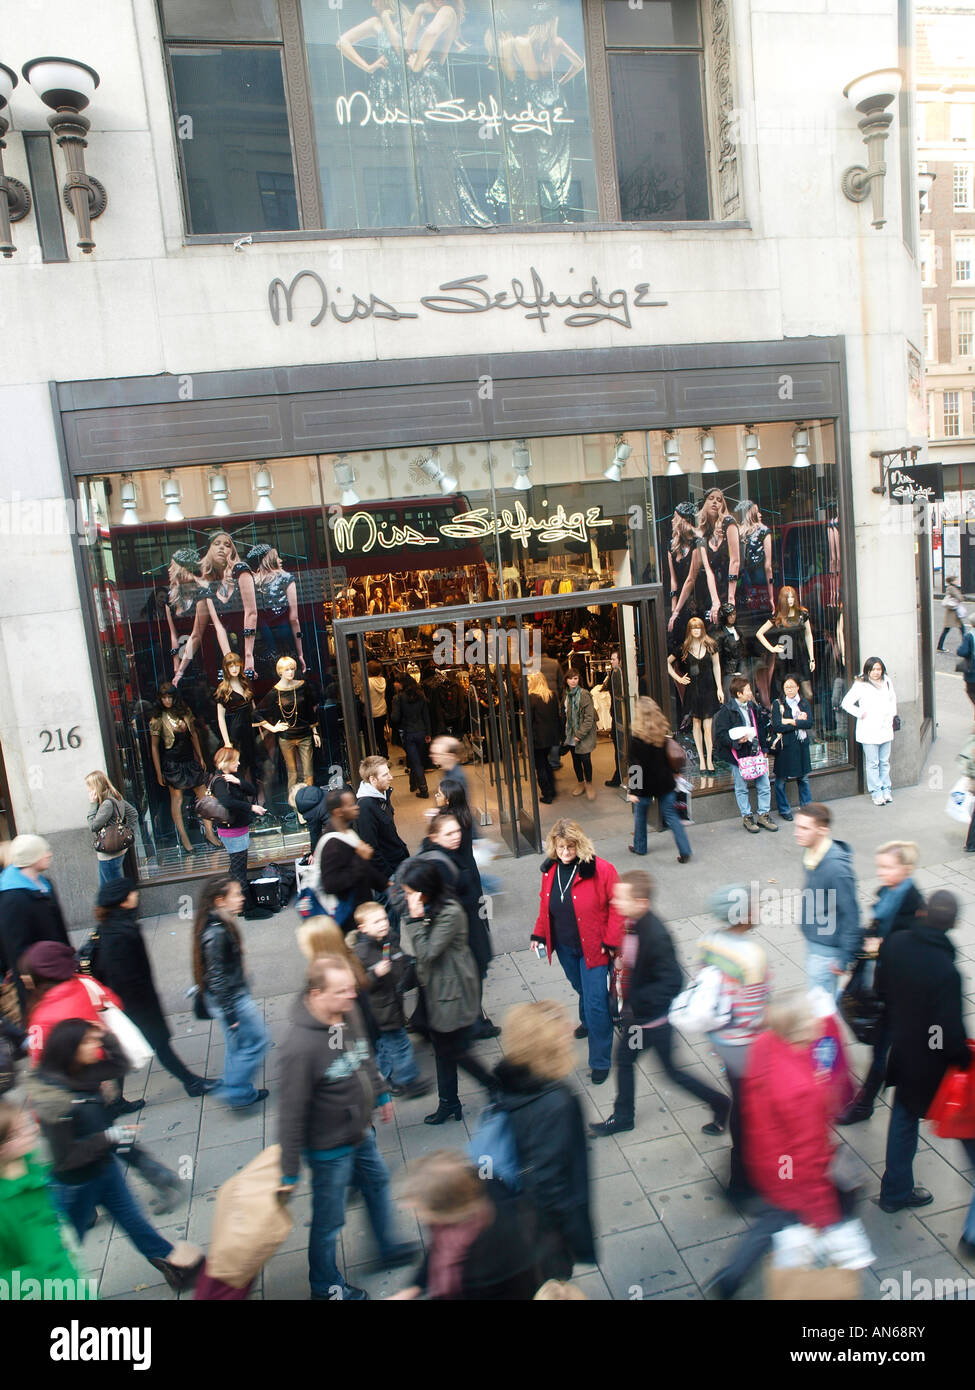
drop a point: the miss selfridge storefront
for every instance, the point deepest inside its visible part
(398, 511)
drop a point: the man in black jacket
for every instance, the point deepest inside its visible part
(918, 980)
(329, 1087)
(29, 909)
(741, 711)
(652, 980)
(346, 865)
(376, 824)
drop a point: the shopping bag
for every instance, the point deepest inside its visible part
(827, 1285)
(961, 802)
(705, 1006)
(249, 1222)
(860, 1004)
(135, 1049)
(952, 1112)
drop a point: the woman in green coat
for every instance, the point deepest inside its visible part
(449, 980)
(33, 1243)
(580, 731)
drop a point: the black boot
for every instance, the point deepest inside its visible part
(446, 1110)
(181, 1266)
(859, 1109)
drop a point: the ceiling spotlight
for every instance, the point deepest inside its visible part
(172, 495)
(345, 479)
(708, 452)
(432, 468)
(615, 470)
(263, 483)
(127, 496)
(672, 455)
(521, 463)
(752, 446)
(219, 492)
(800, 445)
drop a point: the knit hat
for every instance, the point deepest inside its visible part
(26, 850)
(942, 910)
(309, 799)
(731, 904)
(50, 960)
(113, 894)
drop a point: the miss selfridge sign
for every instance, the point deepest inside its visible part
(582, 306)
(359, 531)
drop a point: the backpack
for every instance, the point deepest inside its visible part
(966, 655)
(493, 1142)
(115, 837)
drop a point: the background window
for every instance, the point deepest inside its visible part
(962, 187)
(964, 251)
(965, 332)
(952, 414)
(960, 122)
(221, 19)
(656, 67)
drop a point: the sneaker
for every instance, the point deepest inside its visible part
(766, 821)
(261, 1095)
(348, 1293)
(878, 800)
(581, 1032)
(749, 823)
(684, 858)
(887, 798)
(920, 1197)
(614, 1125)
(785, 815)
(598, 1075)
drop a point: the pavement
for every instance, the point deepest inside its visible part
(663, 1223)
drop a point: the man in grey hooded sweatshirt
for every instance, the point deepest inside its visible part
(830, 917)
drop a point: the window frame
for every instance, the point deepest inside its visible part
(958, 334)
(957, 280)
(968, 206)
(955, 414)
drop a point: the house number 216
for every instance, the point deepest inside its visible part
(71, 739)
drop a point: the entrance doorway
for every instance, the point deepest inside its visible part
(473, 665)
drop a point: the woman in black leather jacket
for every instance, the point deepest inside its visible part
(218, 970)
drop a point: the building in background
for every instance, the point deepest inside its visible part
(395, 310)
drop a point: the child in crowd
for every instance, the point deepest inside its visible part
(387, 970)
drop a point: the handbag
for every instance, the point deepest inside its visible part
(209, 808)
(135, 1049)
(88, 955)
(200, 1009)
(860, 1005)
(676, 756)
(705, 1006)
(756, 764)
(614, 984)
(952, 1112)
(115, 837)
(896, 723)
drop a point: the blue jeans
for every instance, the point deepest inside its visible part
(592, 987)
(77, 1201)
(782, 795)
(897, 1184)
(111, 869)
(395, 1059)
(246, 1047)
(330, 1178)
(819, 971)
(876, 765)
(641, 809)
(762, 788)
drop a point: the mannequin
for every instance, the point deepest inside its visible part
(232, 599)
(755, 591)
(731, 646)
(291, 705)
(277, 594)
(721, 537)
(792, 639)
(686, 557)
(187, 613)
(235, 713)
(699, 679)
(179, 766)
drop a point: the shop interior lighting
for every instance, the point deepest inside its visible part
(172, 495)
(14, 196)
(672, 455)
(800, 446)
(67, 86)
(614, 473)
(752, 446)
(432, 468)
(708, 450)
(871, 94)
(219, 492)
(263, 483)
(345, 479)
(129, 500)
(521, 464)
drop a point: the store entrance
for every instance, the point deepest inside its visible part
(475, 667)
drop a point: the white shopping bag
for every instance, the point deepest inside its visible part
(960, 802)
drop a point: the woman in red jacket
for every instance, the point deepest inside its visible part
(576, 918)
(788, 1144)
(57, 993)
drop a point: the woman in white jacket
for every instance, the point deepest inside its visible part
(873, 703)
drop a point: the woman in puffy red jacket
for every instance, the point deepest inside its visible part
(577, 920)
(787, 1112)
(57, 993)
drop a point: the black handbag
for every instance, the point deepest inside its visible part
(200, 1009)
(860, 1005)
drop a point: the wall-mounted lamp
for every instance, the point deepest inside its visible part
(925, 182)
(219, 490)
(263, 483)
(172, 494)
(871, 94)
(521, 465)
(129, 500)
(14, 196)
(672, 455)
(67, 86)
(345, 479)
(800, 446)
(752, 446)
(432, 468)
(614, 473)
(708, 451)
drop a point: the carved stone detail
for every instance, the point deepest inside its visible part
(302, 123)
(721, 107)
(600, 106)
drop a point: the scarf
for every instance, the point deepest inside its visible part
(814, 857)
(888, 904)
(573, 713)
(796, 712)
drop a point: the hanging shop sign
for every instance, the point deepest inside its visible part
(915, 482)
(361, 532)
(575, 308)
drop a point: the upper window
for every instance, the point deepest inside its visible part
(436, 113)
(962, 187)
(964, 250)
(966, 331)
(960, 122)
(952, 414)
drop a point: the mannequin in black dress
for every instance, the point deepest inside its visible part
(232, 600)
(720, 533)
(177, 758)
(277, 600)
(235, 714)
(687, 562)
(732, 648)
(788, 635)
(697, 673)
(187, 614)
